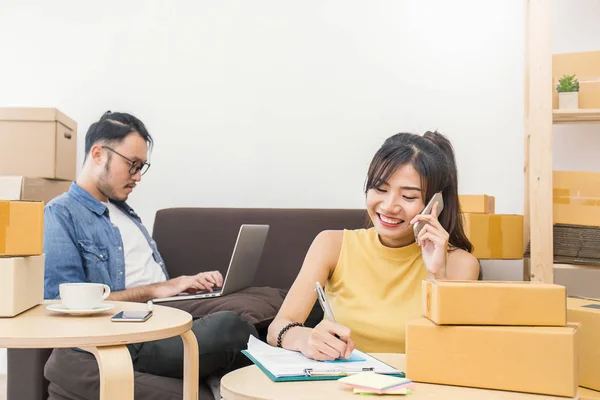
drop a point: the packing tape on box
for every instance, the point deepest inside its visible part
(4, 223)
(426, 299)
(577, 201)
(495, 239)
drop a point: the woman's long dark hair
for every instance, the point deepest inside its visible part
(432, 156)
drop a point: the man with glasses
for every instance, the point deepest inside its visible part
(92, 235)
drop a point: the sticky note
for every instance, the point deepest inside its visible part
(354, 357)
(401, 390)
(373, 381)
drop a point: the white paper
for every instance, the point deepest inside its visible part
(281, 362)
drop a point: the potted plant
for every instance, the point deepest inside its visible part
(568, 92)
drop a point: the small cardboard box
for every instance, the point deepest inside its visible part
(21, 228)
(31, 189)
(587, 313)
(516, 358)
(21, 284)
(495, 236)
(477, 203)
(586, 67)
(587, 394)
(576, 198)
(494, 303)
(37, 142)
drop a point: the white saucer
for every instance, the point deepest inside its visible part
(59, 307)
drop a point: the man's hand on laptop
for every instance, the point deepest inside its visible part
(191, 284)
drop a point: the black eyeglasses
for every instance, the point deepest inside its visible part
(135, 166)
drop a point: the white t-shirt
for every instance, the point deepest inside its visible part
(140, 267)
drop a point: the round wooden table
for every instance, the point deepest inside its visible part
(250, 383)
(106, 340)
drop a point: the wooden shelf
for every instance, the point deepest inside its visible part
(581, 116)
(577, 266)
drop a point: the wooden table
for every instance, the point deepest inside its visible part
(106, 340)
(250, 383)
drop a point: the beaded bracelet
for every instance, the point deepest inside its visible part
(285, 329)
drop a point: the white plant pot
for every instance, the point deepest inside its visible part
(568, 100)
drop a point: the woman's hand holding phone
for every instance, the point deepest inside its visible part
(433, 240)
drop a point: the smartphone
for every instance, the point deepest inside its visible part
(132, 316)
(437, 198)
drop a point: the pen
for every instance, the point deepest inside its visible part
(324, 303)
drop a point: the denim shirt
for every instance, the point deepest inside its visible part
(82, 245)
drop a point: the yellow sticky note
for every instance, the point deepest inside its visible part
(401, 390)
(373, 380)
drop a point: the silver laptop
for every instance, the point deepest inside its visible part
(243, 265)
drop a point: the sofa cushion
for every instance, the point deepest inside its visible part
(74, 375)
(258, 305)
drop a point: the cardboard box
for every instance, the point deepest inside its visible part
(37, 142)
(576, 197)
(21, 284)
(495, 236)
(31, 189)
(494, 303)
(477, 203)
(587, 313)
(516, 358)
(587, 394)
(586, 67)
(21, 228)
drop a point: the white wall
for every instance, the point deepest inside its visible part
(280, 104)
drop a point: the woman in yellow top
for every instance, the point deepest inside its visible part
(372, 277)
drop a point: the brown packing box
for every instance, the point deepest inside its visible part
(21, 284)
(576, 197)
(495, 236)
(32, 189)
(21, 228)
(494, 303)
(586, 67)
(587, 394)
(587, 313)
(477, 203)
(37, 142)
(516, 358)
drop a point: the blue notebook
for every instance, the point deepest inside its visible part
(282, 365)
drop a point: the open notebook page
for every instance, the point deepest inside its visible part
(281, 362)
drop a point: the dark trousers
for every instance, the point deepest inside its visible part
(221, 337)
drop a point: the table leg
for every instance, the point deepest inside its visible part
(190, 366)
(116, 372)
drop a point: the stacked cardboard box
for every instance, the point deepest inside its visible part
(37, 163)
(586, 67)
(587, 313)
(496, 335)
(21, 257)
(494, 236)
(38, 151)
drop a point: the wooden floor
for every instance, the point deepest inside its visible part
(2, 387)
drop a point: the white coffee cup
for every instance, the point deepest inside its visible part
(82, 295)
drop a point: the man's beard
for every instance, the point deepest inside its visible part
(105, 188)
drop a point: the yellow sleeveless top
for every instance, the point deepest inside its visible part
(374, 290)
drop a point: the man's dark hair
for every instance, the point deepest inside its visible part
(112, 128)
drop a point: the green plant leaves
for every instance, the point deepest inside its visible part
(568, 83)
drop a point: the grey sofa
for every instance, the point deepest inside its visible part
(193, 240)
